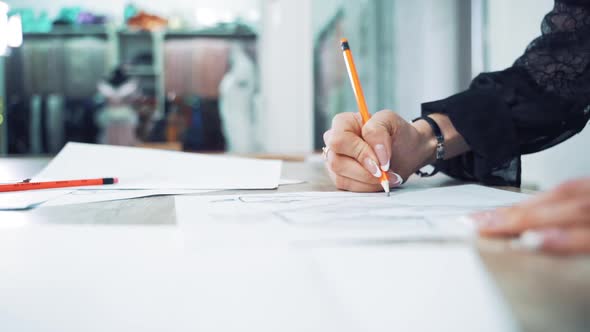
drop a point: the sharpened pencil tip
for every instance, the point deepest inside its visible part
(385, 185)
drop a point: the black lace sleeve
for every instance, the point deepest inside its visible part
(541, 101)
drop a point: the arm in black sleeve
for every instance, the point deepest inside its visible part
(541, 101)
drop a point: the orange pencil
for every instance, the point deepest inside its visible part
(360, 97)
(56, 184)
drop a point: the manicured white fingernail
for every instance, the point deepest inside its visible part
(530, 240)
(395, 179)
(468, 223)
(382, 156)
(489, 220)
(372, 167)
(538, 239)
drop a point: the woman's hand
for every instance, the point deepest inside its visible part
(357, 155)
(559, 220)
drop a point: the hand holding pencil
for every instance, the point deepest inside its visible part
(367, 153)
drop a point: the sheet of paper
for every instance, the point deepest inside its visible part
(92, 278)
(83, 196)
(271, 218)
(146, 278)
(414, 287)
(128, 278)
(139, 168)
(287, 182)
(72, 278)
(24, 200)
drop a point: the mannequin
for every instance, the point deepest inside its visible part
(236, 102)
(118, 119)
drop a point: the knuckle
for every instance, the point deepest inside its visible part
(533, 218)
(519, 217)
(341, 118)
(526, 219)
(371, 130)
(567, 187)
(386, 113)
(337, 142)
(359, 150)
(334, 165)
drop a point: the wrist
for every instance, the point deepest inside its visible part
(426, 150)
(454, 143)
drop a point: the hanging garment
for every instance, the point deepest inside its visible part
(236, 102)
(85, 64)
(55, 123)
(80, 123)
(43, 66)
(35, 126)
(118, 119)
(195, 67)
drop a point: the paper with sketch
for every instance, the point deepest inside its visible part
(140, 168)
(24, 200)
(85, 196)
(407, 214)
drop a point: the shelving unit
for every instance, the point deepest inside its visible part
(3, 122)
(124, 41)
(126, 47)
(209, 34)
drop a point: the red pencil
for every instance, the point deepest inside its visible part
(56, 184)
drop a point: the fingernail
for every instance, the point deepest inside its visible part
(489, 220)
(529, 240)
(382, 156)
(372, 167)
(537, 239)
(395, 180)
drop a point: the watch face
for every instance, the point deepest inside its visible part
(440, 151)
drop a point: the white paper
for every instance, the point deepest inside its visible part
(272, 218)
(72, 278)
(84, 196)
(23, 200)
(287, 182)
(92, 278)
(417, 287)
(139, 168)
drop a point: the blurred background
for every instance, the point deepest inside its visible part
(246, 76)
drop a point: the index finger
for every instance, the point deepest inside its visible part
(345, 139)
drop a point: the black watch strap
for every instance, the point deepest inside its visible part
(440, 145)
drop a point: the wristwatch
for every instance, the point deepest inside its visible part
(440, 146)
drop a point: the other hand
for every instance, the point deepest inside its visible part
(558, 219)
